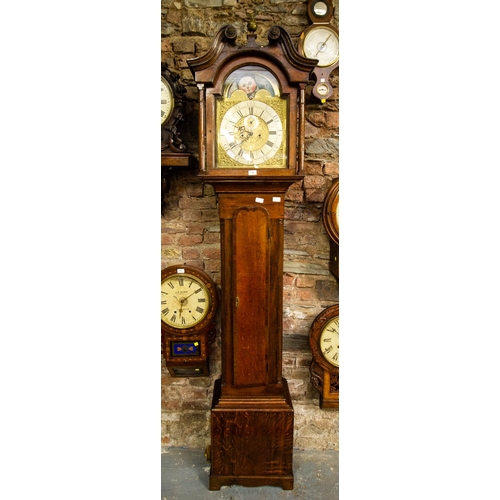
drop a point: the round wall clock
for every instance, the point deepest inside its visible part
(188, 300)
(189, 304)
(331, 222)
(324, 344)
(167, 100)
(331, 212)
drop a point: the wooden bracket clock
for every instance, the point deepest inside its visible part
(251, 130)
(320, 41)
(189, 304)
(331, 223)
(324, 368)
(173, 150)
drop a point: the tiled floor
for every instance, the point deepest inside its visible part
(185, 471)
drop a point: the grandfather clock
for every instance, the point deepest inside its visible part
(251, 130)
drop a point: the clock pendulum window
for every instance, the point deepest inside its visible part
(251, 130)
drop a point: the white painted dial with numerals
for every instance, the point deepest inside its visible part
(185, 301)
(329, 341)
(251, 132)
(167, 100)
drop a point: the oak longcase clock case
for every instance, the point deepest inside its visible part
(251, 150)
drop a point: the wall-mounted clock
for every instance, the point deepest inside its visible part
(189, 303)
(321, 41)
(167, 100)
(173, 149)
(331, 223)
(251, 131)
(324, 368)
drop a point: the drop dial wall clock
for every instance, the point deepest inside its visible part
(189, 304)
(324, 368)
(251, 130)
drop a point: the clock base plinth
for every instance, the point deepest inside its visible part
(252, 439)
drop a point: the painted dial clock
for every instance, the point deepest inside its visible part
(188, 308)
(167, 100)
(324, 368)
(331, 223)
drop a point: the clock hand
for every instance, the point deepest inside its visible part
(322, 45)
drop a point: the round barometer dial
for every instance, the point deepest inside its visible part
(322, 43)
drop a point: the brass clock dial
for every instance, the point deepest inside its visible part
(167, 100)
(322, 43)
(251, 121)
(251, 132)
(329, 341)
(188, 300)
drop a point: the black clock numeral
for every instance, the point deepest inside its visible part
(202, 299)
(181, 281)
(336, 356)
(270, 144)
(197, 291)
(171, 285)
(250, 108)
(327, 340)
(199, 309)
(183, 321)
(165, 311)
(328, 349)
(164, 301)
(173, 318)
(331, 329)
(272, 132)
(191, 284)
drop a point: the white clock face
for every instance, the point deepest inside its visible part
(251, 132)
(329, 341)
(167, 100)
(185, 301)
(322, 43)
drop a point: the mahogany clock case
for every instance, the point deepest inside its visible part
(251, 154)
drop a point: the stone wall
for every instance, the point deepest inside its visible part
(190, 226)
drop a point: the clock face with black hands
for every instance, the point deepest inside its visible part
(185, 301)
